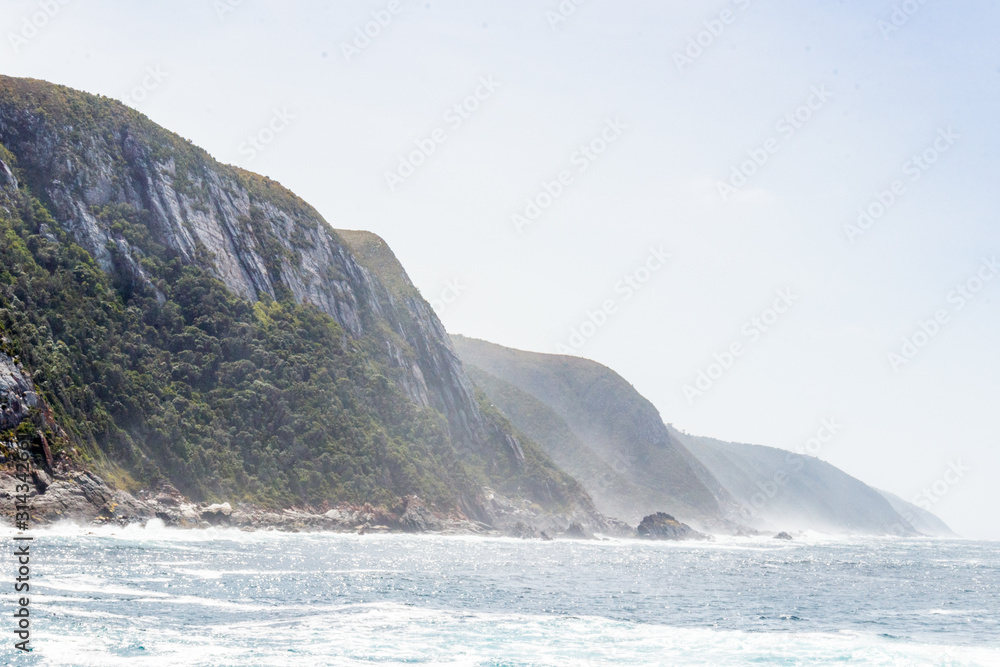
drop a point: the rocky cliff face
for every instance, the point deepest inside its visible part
(137, 198)
(17, 393)
(439, 372)
(250, 232)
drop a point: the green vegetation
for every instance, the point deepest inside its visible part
(375, 255)
(155, 370)
(266, 401)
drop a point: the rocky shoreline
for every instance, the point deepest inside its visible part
(81, 497)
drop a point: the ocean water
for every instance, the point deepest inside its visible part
(156, 596)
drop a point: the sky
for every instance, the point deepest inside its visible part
(777, 220)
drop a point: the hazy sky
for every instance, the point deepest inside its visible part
(619, 120)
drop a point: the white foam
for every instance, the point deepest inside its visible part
(86, 584)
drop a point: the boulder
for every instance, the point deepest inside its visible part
(782, 536)
(662, 526)
(217, 514)
(169, 496)
(78, 498)
(41, 479)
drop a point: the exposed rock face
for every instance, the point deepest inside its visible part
(436, 376)
(419, 519)
(17, 393)
(661, 526)
(82, 156)
(226, 220)
(217, 513)
(79, 497)
(7, 179)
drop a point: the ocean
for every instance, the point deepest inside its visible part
(157, 596)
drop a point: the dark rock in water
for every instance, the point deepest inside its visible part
(662, 526)
(782, 536)
(545, 536)
(577, 532)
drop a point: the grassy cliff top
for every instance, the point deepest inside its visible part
(374, 254)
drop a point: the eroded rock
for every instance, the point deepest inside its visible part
(662, 526)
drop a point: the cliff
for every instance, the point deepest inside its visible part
(600, 429)
(597, 427)
(782, 490)
(193, 323)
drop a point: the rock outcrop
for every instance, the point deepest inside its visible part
(17, 393)
(662, 526)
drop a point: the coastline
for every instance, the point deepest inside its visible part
(83, 498)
